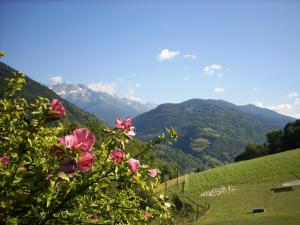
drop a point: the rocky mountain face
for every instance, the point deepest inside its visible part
(104, 106)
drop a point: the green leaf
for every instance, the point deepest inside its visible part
(64, 176)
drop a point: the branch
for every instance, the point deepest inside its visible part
(151, 144)
(70, 196)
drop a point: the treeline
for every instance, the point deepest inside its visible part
(277, 141)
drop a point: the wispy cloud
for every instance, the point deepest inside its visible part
(218, 89)
(212, 69)
(283, 108)
(190, 56)
(292, 95)
(131, 95)
(56, 80)
(259, 104)
(108, 88)
(167, 54)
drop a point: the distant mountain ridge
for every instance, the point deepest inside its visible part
(104, 106)
(267, 114)
(213, 131)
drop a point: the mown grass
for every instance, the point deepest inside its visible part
(255, 179)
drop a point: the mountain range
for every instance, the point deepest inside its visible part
(77, 117)
(214, 131)
(103, 105)
(211, 132)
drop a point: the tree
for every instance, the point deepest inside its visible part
(277, 141)
(291, 135)
(252, 151)
(274, 141)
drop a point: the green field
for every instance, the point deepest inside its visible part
(251, 182)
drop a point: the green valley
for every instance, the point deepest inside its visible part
(212, 131)
(228, 194)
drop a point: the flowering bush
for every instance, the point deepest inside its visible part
(125, 125)
(48, 177)
(80, 140)
(57, 110)
(133, 165)
(117, 155)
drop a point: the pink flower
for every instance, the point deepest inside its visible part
(133, 165)
(5, 160)
(125, 125)
(85, 162)
(80, 140)
(57, 110)
(83, 140)
(153, 172)
(147, 216)
(117, 155)
(119, 123)
(67, 141)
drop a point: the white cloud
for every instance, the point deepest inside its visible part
(137, 84)
(56, 80)
(294, 98)
(166, 54)
(281, 107)
(259, 104)
(108, 88)
(131, 95)
(292, 95)
(212, 69)
(284, 108)
(190, 56)
(218, 90)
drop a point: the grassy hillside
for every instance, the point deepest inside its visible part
(212, 131)
(237, 188)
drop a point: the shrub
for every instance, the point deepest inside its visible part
(49, 177)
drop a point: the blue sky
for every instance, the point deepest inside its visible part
(161, 51)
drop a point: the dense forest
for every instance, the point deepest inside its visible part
(277, 141)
